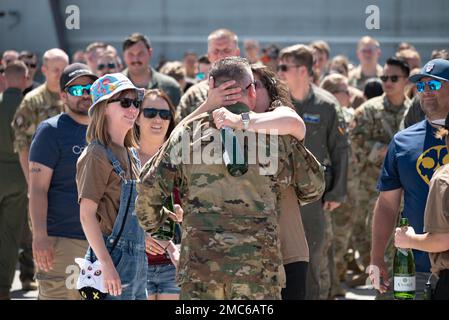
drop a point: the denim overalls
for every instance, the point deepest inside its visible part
(128, 256)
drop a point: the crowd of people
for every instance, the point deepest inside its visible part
(89, 161)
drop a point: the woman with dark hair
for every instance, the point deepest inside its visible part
(155, 124)
(273, 110)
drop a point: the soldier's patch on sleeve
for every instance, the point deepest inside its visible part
(311, 118)
(19, 121)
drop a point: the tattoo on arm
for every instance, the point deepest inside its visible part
(35, 170)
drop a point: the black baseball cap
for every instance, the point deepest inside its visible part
(74, 71)
(436, 68)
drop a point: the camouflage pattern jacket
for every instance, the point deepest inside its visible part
(37, 106)
(230, 226)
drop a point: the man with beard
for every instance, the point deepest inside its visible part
(58, 237)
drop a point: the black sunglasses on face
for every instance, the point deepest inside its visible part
(108, 65)
(31, 65)
(285, 67)
(392, 78)
(127, 102)
(151, 113)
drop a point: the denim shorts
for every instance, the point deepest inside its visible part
(161, 279)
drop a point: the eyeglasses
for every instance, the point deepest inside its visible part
(393, 79)
(78, 90)
(108, 65)
(285, 67)
(434, 85)
(151, 113)
(125, 103)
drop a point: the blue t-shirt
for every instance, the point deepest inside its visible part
(413, 156)
(57, 144)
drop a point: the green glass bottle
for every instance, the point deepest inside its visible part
(233, 153)
(404, 271)
(167, 230)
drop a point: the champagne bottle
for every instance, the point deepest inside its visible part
(233, 153)
(404, 271)
(167, 230)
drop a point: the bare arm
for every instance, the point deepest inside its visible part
(39, 182)
(91, 227)
(283, 119)
(428, 242)
(384, 220)
(23, 158)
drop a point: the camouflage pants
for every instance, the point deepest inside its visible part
(229, 291)
(361, 237)
(343, 219)
(339, 226)
(327, 266)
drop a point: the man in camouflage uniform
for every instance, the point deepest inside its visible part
(341, 220)
(368, 53)
(230, 245)
(376, 121)
(38, 105)
(221, 43)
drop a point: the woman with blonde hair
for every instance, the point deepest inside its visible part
(107, 172)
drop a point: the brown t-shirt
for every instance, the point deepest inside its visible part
(294, 246)
(97, 181)
(436, 215)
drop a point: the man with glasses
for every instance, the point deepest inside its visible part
(412, 157)
(327, 139)
(221, 43)
(375, 123)
(368, 53)
(58, 237)
(38, 105)
(107, 62)
(30, 59)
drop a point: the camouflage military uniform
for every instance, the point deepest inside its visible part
(192, 99)
(376, 121)
(358, 80)
(230, 245)
(415, 114)
(339, 224)
(37, 106)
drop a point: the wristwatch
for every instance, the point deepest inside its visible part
(245, 119)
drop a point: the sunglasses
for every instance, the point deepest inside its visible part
(434, 85)
(151, 113)
(108, 65)
(31, 65)
(125, 103)
(392, 78)
(284, 67)
(78, 90)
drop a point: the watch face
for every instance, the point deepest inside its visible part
(245, 116)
